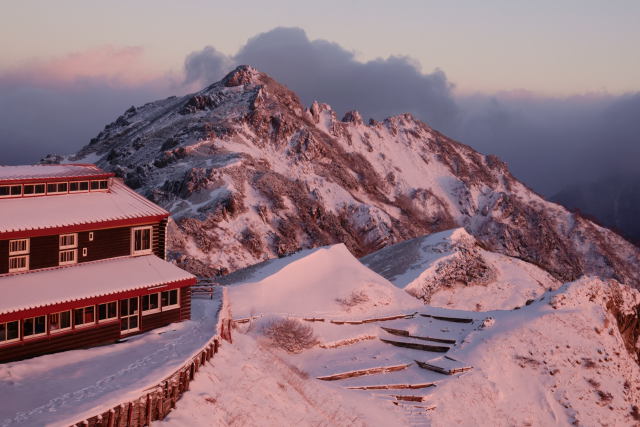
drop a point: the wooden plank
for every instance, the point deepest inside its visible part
(449, 319)
(416, 346)
(403, 333)
(393, 386)
(410, 398)
(362, 372)
(439, 369)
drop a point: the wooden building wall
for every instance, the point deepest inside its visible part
(185, 303)
(93, 335)
(80, 338)
(107, 243)
(4, 256)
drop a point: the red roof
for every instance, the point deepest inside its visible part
(48, 173)
(91, 282)
(37, 216)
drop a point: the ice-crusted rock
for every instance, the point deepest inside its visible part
(244, 153)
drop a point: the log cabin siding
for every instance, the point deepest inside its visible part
(43, 252)
(80, 338)
(4, 256)
(106, 243)
(185, 303)
(156, 320)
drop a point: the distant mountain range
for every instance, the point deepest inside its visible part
(250, 174)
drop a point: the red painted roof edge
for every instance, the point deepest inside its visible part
(48, 179)
(88, 226)
(83, 302)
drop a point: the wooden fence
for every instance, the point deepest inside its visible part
(156, 402)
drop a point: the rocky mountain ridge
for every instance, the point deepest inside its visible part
(250, 174)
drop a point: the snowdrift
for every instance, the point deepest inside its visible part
(327, 281)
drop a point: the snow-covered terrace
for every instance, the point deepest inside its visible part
(120, 204)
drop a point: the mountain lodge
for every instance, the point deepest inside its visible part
(82, 261)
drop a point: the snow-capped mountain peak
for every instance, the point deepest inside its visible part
(250, 174)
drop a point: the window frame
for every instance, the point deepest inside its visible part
(127, 318)
(151, 310)
(170, 306)
(133, 241)
(22, 252)
(34, 185)
(66, 251)
(87, 324)
(108, 319)
(34, 335)
(6, 341)
(59, 330)
(99, 185)
(8, 191)
(71, 246)
(57, 185)
(19, 269)
(91, 236)
(79, 190)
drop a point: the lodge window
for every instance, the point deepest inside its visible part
(141, 239)
(107, 311)
(68, 241)
(150, 303)
(9, 331)
(91, 236)
(33, 189)
(77, 186)
(57, 188)
(129, 315)
(60, 321)
(68, 257)
(99, 185)
(84, 316)
(169, 299)
(18, 263)
(19, 247)
(34, 326)
(10, 190)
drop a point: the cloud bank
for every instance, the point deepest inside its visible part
(548, 142)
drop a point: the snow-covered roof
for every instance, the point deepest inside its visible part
(88, 280)
(49, 172)
(71, 210)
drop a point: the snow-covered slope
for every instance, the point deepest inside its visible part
(569, 357)
(449, 269)
(251, 174)
(327, 281)
(560, 361)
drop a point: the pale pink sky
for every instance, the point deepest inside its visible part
(548, 47)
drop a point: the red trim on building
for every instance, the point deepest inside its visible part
(76, 228)
(78, 303)
(61, 178)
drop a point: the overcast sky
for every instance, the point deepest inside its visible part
(552, 87)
